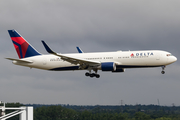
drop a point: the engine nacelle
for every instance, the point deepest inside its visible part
(119, 70)
(108, 66)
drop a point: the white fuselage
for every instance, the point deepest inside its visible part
(123, 59)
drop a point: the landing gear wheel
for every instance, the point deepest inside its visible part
(163, 68)
(91, 75)
(97, 75)
(87, 74)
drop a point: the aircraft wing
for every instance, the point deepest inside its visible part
(20, 60)
(73, 60)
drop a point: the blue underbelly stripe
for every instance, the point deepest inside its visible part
(66, 68)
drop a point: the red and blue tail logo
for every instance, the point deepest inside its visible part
(23, 48)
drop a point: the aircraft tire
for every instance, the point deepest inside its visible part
(91, 75)
(163, 72)
(97, 76)
(87, 74)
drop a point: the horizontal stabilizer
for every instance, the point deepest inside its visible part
(19, 60)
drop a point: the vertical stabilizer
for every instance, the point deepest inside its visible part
(23, 48)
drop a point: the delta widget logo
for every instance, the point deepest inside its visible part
(142, 54)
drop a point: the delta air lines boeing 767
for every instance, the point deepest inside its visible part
(105, 61)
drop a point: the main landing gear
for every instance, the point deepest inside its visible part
(92, 75)
(163, 72)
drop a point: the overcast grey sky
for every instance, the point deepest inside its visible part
(93, 25)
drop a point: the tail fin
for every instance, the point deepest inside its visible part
(23, 48)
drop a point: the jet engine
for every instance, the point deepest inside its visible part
(108, 66)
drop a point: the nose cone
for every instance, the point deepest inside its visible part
(173, 59)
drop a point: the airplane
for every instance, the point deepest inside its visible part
(106, 61)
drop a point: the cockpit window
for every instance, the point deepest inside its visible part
(169, 54)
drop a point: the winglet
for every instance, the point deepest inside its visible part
(79, 50)
(47, 48)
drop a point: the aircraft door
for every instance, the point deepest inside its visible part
(158, 56)
(44, 61)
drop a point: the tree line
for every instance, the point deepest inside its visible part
(125, 112)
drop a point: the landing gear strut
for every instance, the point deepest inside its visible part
(163, 72)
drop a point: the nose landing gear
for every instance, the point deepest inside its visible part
(163, 72)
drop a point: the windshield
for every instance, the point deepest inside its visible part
(169, 54)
